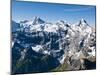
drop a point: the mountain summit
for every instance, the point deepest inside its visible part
(82, 22)
(38, 20)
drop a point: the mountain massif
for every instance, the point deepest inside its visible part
(40, 46)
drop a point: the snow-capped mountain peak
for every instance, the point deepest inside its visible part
(38, 20)
(82, 23)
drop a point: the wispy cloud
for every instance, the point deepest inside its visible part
(79, 9)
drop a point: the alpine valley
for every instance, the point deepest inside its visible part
(39, 46)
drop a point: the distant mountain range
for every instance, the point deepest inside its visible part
(40, 46)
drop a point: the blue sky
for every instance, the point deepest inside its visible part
(53, 12)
